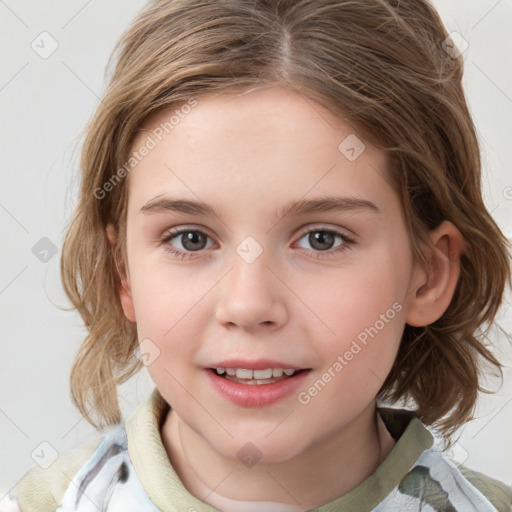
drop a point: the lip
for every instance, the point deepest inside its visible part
(254, 395)
(259, 364)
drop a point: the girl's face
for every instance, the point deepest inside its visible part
(304, 261)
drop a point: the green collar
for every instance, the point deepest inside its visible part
(165, 489)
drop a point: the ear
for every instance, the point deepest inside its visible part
(433, 291)
(124, 288)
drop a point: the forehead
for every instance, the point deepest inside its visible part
(269, 145)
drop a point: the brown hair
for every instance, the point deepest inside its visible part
(378, 64)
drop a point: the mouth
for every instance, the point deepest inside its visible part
(257, 377)
(256, 388)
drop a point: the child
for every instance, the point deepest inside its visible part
(321, 156)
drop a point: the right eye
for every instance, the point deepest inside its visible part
(191, 240)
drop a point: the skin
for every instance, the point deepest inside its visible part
(247, 156)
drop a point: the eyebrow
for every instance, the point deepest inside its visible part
(320, 204)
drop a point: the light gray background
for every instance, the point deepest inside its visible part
(45, 104)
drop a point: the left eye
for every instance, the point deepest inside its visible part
(323, 240)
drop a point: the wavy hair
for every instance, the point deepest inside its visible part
(378, 64)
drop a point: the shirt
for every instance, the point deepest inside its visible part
(128, 470)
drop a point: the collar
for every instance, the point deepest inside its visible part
(165, 489)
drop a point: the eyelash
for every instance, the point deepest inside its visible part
(347, 242)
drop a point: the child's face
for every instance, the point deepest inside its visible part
(248, 157)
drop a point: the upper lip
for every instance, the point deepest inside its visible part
(259, 364)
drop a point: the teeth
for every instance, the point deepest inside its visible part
(242, 373)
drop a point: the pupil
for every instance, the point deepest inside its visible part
(191, 238)
(321, 239)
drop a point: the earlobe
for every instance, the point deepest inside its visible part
(432, 296)
(124, 288)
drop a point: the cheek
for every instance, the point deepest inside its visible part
(358, 355)
(162, 295)
(170, 313)
(363, 315)
(357, 299)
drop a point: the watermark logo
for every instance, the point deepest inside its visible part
(249, 249)
(44, 455)
(455, 45)
(249, 455)
(44, 250)
(351, 147)
(147, 352)
(457, 453)
(45, 45)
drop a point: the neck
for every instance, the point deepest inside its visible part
(327, 470)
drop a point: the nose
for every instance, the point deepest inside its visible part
(251, 297)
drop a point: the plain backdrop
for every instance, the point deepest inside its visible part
(46, 101)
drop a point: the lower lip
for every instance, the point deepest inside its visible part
(256, 395)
